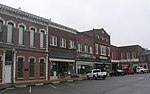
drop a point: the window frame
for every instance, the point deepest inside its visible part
(21, 69)
(42, 39)
(103, 50)
(22, 36)
(32, 35)
(53, 40)
(96, 48)
(63, 42)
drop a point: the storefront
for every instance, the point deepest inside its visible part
(61, 68)
(83, 67)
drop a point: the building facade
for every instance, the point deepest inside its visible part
(23, 46)
(85, 55)
(125, 56)
(62, 50)
(35, 48)
(144, 60)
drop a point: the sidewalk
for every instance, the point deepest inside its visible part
(39, 82)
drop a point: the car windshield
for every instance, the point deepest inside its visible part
(96, 71)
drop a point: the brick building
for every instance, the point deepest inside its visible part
(34, 48)
(101, 48)
(145, 59)
(23, 46)
(85, 55)
(62, 50)
(125, 56)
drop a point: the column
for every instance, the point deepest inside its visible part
(47, 67)
(3, 70)
(14, 67)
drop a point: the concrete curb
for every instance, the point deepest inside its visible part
(39, 83)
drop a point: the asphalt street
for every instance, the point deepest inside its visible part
(129, 84)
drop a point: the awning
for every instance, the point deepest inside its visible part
(101, 63)
(61, 60)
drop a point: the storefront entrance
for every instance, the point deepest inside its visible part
(61, 69)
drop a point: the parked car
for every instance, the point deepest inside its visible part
(117, 73)
(128, 71)
(141, 70)
(97, 73)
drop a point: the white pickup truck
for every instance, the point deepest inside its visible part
(97, 73)
(141, 70)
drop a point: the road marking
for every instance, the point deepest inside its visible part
(140, 78)
(70, 84)
(39, 84)
(56, 82)
(80, 79)
(52, 86)
(21, 86)
(70, 80)
(6, 90)
(30, 89)
(3, 91)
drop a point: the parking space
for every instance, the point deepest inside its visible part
(53, 88)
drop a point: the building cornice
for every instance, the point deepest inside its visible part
(62, 27)
(23, 15)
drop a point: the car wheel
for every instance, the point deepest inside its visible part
(88, 77)
(94, 77)
(103, 78)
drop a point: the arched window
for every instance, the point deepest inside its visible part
(122, 56)
(21, 35)
(133, 55)
(20, 67)
(32, 31)
(42, 39)
(42, 63)
(128, 55)
(10, 28)
(31, 69)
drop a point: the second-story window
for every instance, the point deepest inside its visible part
(62, 42)
(32, 31)
(21, 35)
(108, 49)
(91, 50)
(53, 40)
(1, 31)
(103, 50)
(79, 47)
(122, 56)
(71, 44)
(142, 58)
(85, 48)
(128, 55)
(112, 55)
(133, 55)
(96, 48)
(10, 32)
(42, 39)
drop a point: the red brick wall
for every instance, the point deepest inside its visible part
(27, 32)
(26, 64)
(115, 53)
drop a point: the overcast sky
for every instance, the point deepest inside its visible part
(126, 21)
